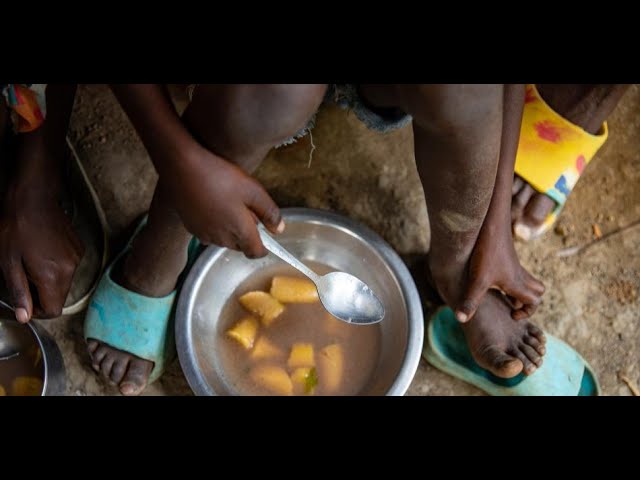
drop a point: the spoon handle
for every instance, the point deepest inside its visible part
(274, 247)
(4, 304)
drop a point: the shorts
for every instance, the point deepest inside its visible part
(346, 96)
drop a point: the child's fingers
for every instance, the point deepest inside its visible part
(523, 293)
(533, 283)
(265, 208)
(525, 312)
(476, 290)
(247, 237)
(53, 287)
(18, 288)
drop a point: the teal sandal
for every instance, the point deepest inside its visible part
(563, 373)
(134, 323)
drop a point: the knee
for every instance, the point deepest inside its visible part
(265, 112)
(291, 105)
(452, 108)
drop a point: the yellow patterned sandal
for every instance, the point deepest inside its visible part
(552, 155)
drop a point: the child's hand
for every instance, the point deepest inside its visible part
(494, 264)
(219, 203)
(37, 245)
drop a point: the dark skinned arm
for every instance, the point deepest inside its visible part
(38, 245)
(217, 201)
(494, 262)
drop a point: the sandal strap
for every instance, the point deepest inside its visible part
(553, 152)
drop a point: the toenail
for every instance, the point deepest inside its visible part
(127, 388)
(462, 317)
(523, 232)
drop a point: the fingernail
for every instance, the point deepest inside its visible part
(523, 232)
(280, 228)
(21, 315)
(462, 317)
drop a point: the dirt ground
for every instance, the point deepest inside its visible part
(592, 298)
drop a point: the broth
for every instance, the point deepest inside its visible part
(22, 375)
(306, 323)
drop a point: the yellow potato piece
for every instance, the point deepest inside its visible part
(293, 290)
(274, 379)
(3, 392)
(331, 363)
(27, 387)
(265, 350)
(262, 304)
(244, 332)
(301, 356)
(304, 380)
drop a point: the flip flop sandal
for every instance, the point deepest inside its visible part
(82, 205)
(552, 154)
(563, 373)
(134, 323)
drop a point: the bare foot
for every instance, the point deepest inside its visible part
(501, 345)
(151, 268)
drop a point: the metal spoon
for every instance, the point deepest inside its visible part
(344, 296)
(6, 352)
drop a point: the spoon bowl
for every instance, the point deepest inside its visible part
(344, 296)
(350, 299)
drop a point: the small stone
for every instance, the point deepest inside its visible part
(561, 230)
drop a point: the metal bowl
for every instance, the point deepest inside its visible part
(315, 236)
(20, 338)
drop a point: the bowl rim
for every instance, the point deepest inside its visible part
(415, 318)
(33, 330)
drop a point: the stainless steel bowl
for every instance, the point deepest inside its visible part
(20, 337)
(316, 236)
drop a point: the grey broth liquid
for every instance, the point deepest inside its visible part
(22, 375)
(299, 323)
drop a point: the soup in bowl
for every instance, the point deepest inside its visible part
(311, 352)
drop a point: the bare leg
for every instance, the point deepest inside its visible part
(585, 105)
(457, 132)
(238, 122)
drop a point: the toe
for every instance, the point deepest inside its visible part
(98, 356)
(519, 202)
(531, 354)
(107, 364)
(537, 333)
(500, 363)
(528, 367)
(119, 369)
(518, 183)
(536, 344)
(537, 210)
(136, 377)
(92, 345)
